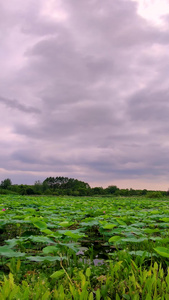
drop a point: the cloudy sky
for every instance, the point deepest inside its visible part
(84, 91)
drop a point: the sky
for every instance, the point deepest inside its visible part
(84, 91)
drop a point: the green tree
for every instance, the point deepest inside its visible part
(98, 190)
(6, 183)
(111, 189)
(38, 187)
(65, 185)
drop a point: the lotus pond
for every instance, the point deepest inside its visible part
(84, 248)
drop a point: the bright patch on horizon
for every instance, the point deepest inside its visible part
(153, 10)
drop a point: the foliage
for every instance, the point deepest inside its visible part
(112, 189)
(119, 282)
(6, 183)
(84, 248)
(64, 183)
(60, 186)
(154, 194)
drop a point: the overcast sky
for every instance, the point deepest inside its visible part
(84, 91)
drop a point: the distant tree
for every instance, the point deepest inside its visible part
(29, 191)
(97, 190)
(15, 188)
(64, 184)
(6, 183)
(82, 192)
(49, 183)
(38, 187)
(144, 192)
(111, 189)
(154, 194)
(22, 189)
(124, 192)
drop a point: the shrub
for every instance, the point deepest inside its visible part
(154, 195)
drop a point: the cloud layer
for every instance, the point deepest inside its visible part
(83, 93)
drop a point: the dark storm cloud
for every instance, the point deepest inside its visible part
(14, 104)
(83, 122)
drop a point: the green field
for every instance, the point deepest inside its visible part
(84, 248)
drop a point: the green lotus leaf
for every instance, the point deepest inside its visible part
(162, 251)
(114, 239)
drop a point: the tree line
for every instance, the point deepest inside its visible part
(71, 187)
